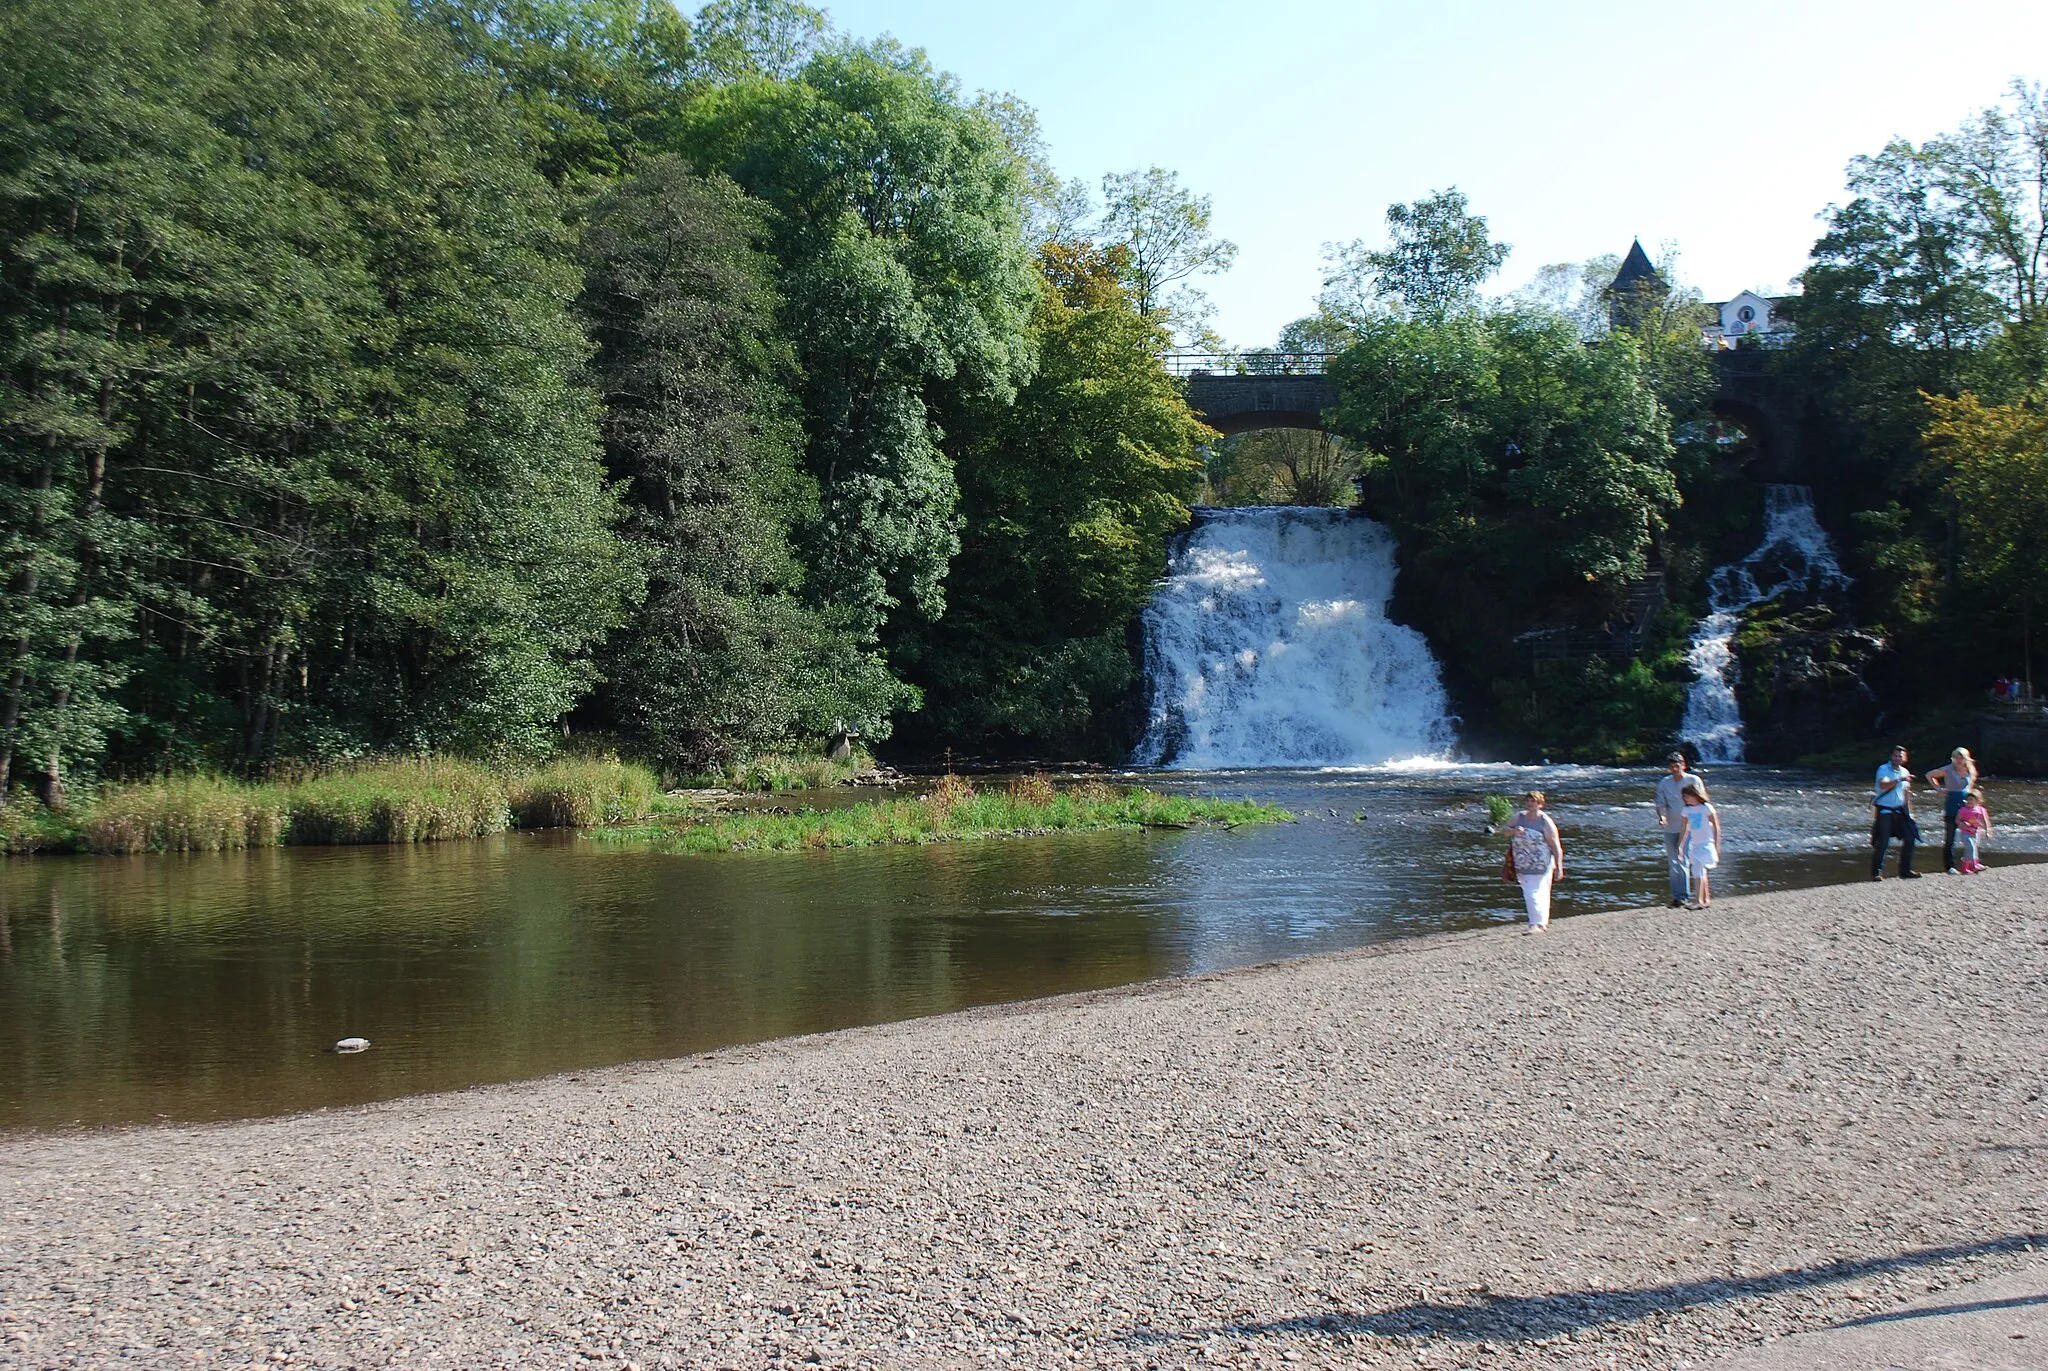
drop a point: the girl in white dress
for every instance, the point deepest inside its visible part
(1702, 842)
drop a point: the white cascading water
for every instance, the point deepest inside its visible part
(1269, 645)
(1794, 555)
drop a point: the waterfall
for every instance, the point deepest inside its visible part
(1794, 555)
(1269, 645)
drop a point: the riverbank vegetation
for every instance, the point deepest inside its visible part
(410, 801)
(952, 811)
(401, 377)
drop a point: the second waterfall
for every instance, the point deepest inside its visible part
(1269, 645)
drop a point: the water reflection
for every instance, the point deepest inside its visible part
(207, 987)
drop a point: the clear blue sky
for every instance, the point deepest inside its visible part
(1573, 125)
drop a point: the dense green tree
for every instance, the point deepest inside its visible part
(725, 659)
(592, 80)
(1069, 500)
(1997, 460)
(907, 291)
(293, 459)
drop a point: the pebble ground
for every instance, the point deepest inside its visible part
(1644, 1139)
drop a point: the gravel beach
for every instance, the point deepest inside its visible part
(1644, 1139)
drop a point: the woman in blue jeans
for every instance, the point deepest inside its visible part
(1955, 781)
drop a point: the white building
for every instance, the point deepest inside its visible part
(1748, 316)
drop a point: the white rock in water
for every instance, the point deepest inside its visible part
(352, 1045)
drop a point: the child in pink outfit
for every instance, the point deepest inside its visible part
(1973, 825)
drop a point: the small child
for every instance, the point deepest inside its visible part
(1702, 842)
(1973, 826)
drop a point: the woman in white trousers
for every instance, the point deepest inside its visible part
(1539, 858)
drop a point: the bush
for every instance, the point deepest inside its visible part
(777, 773)
(583, 793)
(1498, 808)
(184, 814)
(25, 827)
(415, 801)
(1035, 789)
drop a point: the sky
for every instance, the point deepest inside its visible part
(1720, 130)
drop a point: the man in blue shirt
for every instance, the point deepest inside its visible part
(1891, 803)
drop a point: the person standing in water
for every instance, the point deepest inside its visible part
(1954, 781)
(1702, 824)
(1538, 855)
(1891, 805)
(1973, 827)
(1671, 818)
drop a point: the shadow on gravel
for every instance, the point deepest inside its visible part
(1506, 1318)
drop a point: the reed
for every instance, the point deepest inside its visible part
(415, 800)
(583, 792)
(953, 811)
(198, 813)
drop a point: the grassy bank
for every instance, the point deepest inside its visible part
(407, 801)
(953, 811)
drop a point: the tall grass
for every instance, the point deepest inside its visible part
(419, 800)
(952, 811)
(184, 814)
(415, 800)
(776, 773)
(583, 792)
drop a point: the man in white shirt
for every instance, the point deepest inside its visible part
(1671, 819)
(1891, 805)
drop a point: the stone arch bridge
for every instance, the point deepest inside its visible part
(1237, 393)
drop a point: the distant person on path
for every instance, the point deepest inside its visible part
(1538, 855)
(1671, 818)
(1973, 826)
(1955, 781)
(1891, 803)
(1702, 829)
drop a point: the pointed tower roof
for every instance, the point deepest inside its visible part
(1636, 270)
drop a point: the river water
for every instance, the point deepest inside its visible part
(135, 989)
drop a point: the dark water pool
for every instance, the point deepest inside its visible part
(205, 987)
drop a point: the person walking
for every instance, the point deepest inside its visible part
(1973, 826)
(1702, 842)
(1538, 855)
(1891, 805)
(1955, 782)
(1671, 818)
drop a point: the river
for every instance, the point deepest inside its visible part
(140, 989)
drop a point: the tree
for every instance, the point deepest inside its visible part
(1069, 497)
(739, 40)
(1995, 171)
(294, 461)
(1997, 460)
(907, 290)
(725, 658)
(592, 80)
(1440, 255)
(1281, 466)
(1164, 231)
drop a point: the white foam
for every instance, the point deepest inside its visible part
(1795, 554)
(1269, 646)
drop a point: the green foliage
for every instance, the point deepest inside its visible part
(1164, 232)
(779, 774)
(1440, 255)
(1509, 448)
(906, 290)
(954, 812)
(294, 457)
(1592, 710)
(727, 656)
(1280, 466)
(1070, 496)
(582, 792)
(1498, 809)
(592, 81)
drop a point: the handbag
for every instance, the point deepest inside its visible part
(1507, 871)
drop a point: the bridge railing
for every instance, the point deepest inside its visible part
(1256, 362)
